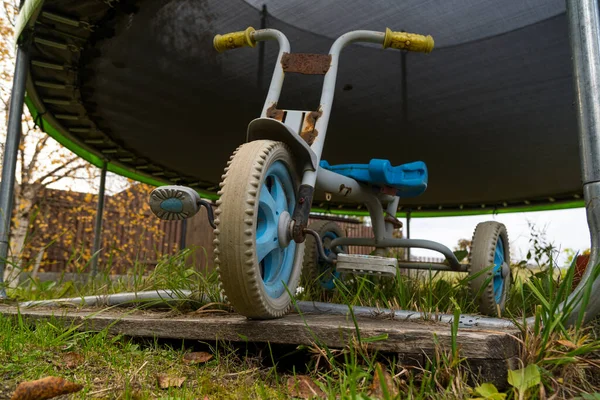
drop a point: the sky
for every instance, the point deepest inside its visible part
(564, 228)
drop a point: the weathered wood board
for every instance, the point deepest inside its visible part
(408, 337)
(486, 350)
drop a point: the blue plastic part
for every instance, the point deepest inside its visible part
(327, 275)
(498, 280)
(409, 180)
(276, 195)
(172, 205)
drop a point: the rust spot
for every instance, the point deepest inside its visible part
(307, 64)
(393, 220)
(273, 112)
(345, 189)
(309, 133)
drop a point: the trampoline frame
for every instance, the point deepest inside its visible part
(584, 30)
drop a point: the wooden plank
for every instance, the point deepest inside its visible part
(405, 337)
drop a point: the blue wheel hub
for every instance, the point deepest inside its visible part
(498, 278)
(327, 276)
(172, 205)
(276, 261)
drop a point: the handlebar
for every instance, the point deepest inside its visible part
(235, 40)
(407, 41)
(395, 40)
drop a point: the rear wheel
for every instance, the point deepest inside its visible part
(489, 265)
(318, 275)
(256, 260)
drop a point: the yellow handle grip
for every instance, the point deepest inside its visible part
(234, 40)
(407, 41)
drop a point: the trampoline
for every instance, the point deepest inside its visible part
(503, 112)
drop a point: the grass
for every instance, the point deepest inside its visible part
(174, 272)
(557, 359)
(119, 367)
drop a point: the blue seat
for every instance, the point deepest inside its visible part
(409, 180)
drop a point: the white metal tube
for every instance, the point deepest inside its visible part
(113, 299)
(278, 75)
(392, 209)
(330, 79)
(466, 321)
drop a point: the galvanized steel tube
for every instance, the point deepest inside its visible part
(9, 161)
(584, 31)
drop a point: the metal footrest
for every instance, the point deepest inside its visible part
(174, 202)
(366, 265)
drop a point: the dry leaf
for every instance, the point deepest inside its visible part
(197, 357)
(568, 344)
(376, 390)
(303, 387)
(165, 381)
(72, 360)
(45, 388)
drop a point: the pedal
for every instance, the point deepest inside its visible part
(366, 265)
(174, 202)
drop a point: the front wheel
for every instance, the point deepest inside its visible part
(257, 262)
(489, 267)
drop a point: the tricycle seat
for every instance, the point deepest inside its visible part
(409, 180)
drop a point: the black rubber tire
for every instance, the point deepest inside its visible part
(481, 257)
(312, 270)
(235, 236)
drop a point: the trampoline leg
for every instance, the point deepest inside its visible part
(584, 31)
(408, 219)
(98, 226)
(9, 161)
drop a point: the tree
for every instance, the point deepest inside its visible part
(129, 229)
(463, 244)
(42, 162)
(61, 234)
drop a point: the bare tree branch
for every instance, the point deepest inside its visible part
(14, 5)
(65, 174)
(34, 158)
(56, 170)
(21, 157)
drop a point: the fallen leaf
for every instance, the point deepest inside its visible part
(72, 360)
(197, 357)
(45, 388)
(304, 387)
(165, 381)
(568, 344)
(383, 386)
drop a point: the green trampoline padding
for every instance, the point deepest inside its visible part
(93, 158)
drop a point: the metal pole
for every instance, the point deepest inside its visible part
(408, 234)
(261, 49)
(11, 149)
(182, 242)
(584, 31)
(98, 226)
(404, 73)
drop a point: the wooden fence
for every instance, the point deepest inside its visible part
(62, 231)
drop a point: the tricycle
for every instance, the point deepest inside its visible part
(262, 236)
